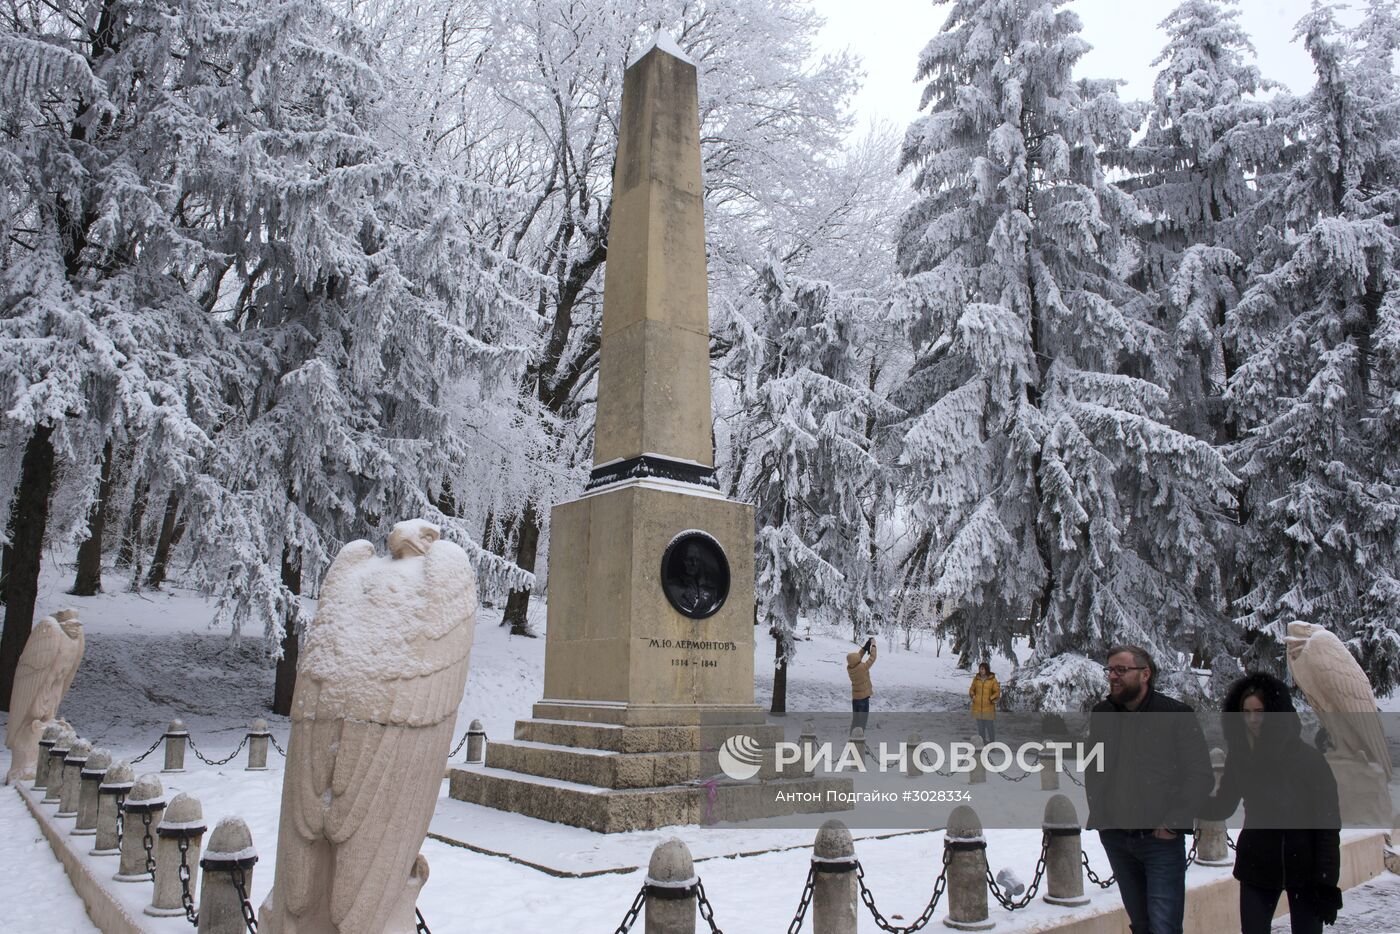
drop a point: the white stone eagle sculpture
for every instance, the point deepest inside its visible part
(1339, 691)
(42, 677)
(381, 673)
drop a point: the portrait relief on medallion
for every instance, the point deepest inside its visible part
(695, 574)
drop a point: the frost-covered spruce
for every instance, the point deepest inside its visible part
(1035, 444)
(1318, 391)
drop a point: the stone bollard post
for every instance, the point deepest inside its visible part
(966, 851)
(1064, 871)
(476, 742)
(89, 778)
(1212, 840)
(671, 889)
(72, 784)
(807, 741)
(53, 788)
(978, 775)
(176, 739)
(141, 814)
(116, 785)
(1049, 772)
(834, 880)
(258, 736)
(855, 742)
(913, 768)
(46, 742)
(177, 857)
(228, 878)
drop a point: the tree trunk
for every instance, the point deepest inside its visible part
(526, 548)
(89, 577)
(156, 577)
(286, 681)
(29, 517)
(779, 704)
(130, 543)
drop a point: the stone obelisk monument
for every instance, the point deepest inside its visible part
(649, 651)
(625, 643)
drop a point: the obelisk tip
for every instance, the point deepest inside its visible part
(665, 43)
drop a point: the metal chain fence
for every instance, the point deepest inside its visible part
(630, 918)
(224, 761)
(186, 899)
(804, 902)
(159, 739)
(1016, 904)
(706, 912)
(240, 885)
(148, 843)
(1093, 876)
(882, 922)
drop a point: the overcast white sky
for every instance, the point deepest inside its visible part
(889, 34)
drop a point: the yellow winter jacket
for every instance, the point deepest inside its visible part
(985, 692)
(860, 674)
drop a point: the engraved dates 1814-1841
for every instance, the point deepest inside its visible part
(695, 574)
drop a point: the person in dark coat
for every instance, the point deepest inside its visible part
(1291, 840)
(1154, 777)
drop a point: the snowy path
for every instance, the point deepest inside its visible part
(1373, 908)
(33, 886)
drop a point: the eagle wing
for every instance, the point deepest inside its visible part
(369, 772)
(1340, 692)
(72, 657)
(38, 684)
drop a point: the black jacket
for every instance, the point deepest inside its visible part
(1156, 768)
(1291, 837)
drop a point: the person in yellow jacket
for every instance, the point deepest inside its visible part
(985, 692)
(858, 668)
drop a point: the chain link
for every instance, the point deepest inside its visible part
(1016, 778)
(186, 899)
(225, 760)
(121, 799)
(881, 922)
(1016, 904)
(159, 739)
(273, 740)
(798, 918)
(630, 918)
(1093, 877)
(1229, 841)
(148, 843)
(1191, 855)
(420, 926)
(706, 912)
(240, 885)
(1074, 778)
(460, 743)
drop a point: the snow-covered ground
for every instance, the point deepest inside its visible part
(150, 658)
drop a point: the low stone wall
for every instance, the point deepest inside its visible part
(104, 910)
(1214, 907)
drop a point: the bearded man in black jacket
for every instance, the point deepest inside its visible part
(1155, 777)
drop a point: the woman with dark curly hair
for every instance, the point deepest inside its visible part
(1284, 782)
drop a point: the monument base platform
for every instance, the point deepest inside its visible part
(614, 777)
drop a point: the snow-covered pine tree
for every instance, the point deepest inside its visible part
(1316, 391)
(360, 295)
(1032, 453)
(1209, 135)
(100, 341)
(805, 352)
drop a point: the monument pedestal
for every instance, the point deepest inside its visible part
(612, 778)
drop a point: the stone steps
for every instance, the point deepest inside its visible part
(610, 810)
(618, 738)
(608, 769)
